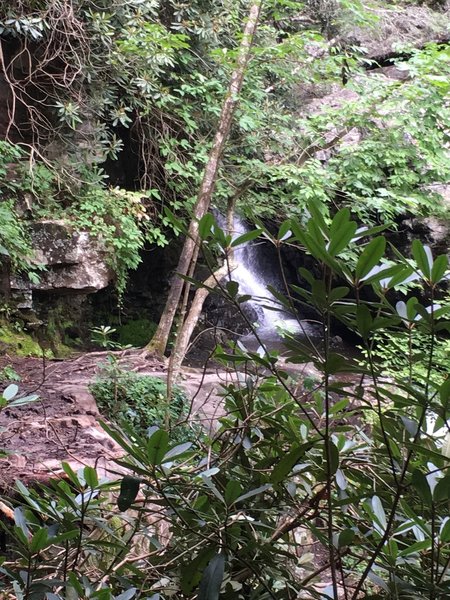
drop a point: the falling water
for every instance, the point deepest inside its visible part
(253, 280)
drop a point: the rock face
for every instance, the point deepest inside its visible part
(73, 261)
(56, 308)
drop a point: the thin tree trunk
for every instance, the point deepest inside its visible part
(185, 332)
(190, 321)
(189, 253)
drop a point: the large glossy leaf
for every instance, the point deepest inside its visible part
(248, 236)
(444, 533)
(157, 446)
(444, 393)
(370, 256)
(442, 489)
(129, 489)
(420, 483)
(39, 540)
(212, 578)
(341, 232)
(379, 513)
(363, 320)
(439, 268)
(423, 257)
(232, 491)
(191, 573)
(286, 464)
(205, 226)
(177, 451)
(255, 492)
(284, 231)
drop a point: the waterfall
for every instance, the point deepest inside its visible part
(253, 280)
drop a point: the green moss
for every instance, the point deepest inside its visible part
(136, 333)
(20, 343)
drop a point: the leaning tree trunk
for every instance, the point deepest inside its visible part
(189, 253)
(185, 332)
(190, 320)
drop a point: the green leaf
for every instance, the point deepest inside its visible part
(440, 265)
(307, 275)
(177, 451)
(379, 513)
(384, 274)
(90, 476)
(337, 294)
(363, 320)
(157, 446)
(232, 492)
(416, 547)
(20, 521)
(442, 489)
(314, 243)
(284, 231)
(336, 363)
(248, 236)
(423, 257)
(11, 391)
(341, 232)
(73, 477)
(129, 489)
(191, 573)
(317, 216)
(286, 464)
(212, 579)
(444, 393)
(174, 221)
(333, 457)
(232, 288)
(255, 492)
(444, 534)
(341, 480)
(370, 256)
(346, 537)
(420, 483)
(39, 540)
(205, 226)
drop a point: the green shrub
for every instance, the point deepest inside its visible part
(137, 333)
(139, 400)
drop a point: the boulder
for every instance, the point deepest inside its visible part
(74, 261)
(433, 231)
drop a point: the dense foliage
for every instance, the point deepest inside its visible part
(132, 95)
(138, 401)
(341, 478)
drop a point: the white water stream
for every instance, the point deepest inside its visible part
(253, 280)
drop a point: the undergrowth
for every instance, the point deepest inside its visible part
(140, 401)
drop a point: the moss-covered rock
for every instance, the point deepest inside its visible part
(16, 341)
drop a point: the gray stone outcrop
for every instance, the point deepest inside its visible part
(74, 262)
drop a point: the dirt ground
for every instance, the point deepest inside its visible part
(63, 424)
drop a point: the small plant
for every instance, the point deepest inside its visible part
(9, 374)
(101, 336)
(139, 400)
(10, 398)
